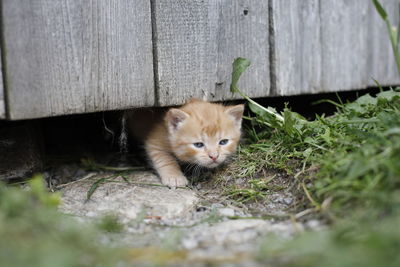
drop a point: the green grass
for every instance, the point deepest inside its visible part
(351, 243)
(33, 233)
(348, 166)
(356, 151)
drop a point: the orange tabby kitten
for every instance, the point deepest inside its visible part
(199, 133)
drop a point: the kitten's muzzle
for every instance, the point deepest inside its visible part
(213, 156)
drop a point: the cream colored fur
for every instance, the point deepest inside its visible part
(199, 133)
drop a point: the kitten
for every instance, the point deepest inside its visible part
(199, 133)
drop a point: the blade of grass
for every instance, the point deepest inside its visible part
(93, 188)
(310, 198)
(392, 30)
(380, 9)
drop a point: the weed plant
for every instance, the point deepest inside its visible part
(33, 233)
(356, 151)
(347, 164)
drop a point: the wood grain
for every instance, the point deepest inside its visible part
(2, 99)
(381, 63)
(326, 46)
(344, 31)
(197, 42)
(297, 49)
(67, 56)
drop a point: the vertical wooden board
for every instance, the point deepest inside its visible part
(197, 42)
(344, 28)
(381, 62)
(2, 104)
(242, 30)
(297, 46)
(2, 98)
(185, 56)
(69, 56)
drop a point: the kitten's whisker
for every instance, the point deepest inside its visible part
(197, 170)
(189, 167)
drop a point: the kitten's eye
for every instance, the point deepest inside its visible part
(198, 144)
(223, 142)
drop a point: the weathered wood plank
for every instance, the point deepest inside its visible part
(323, 46)
(242, 30)
(297, 50)
(382, 66)
(2, 104)
(70, 56)
(197, 42)
(2, 100)
(344, 30)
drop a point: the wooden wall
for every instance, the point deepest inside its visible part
(2, 98)
(197, 42)
(77, 56)
(327, 46)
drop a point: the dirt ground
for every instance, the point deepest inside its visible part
(208, 222)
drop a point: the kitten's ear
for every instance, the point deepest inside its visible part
(175, 117)
(236, 112)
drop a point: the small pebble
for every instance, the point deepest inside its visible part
(239, 181)
(226, 212)
(190, 243)
(288, 200)
(313, 224)
(216, 206)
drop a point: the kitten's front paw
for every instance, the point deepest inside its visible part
(174, 181)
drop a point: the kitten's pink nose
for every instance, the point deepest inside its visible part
(213, 156)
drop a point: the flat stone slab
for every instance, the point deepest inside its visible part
(227, 239)
(127, 200)
(225, 233)
(164, 217)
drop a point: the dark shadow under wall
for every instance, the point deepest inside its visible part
(33, 146)
(306, 104)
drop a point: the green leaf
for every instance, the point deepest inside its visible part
(262, 111)
(366, 99)
(239, 66)
(307, 152)
(356, 108)
(380, 9)
(326, 136)
(392, 131)
(388, 95)
(289, 122)
(257, 110)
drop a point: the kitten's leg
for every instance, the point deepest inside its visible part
(168, 169)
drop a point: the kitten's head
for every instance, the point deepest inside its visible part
(203, 133)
